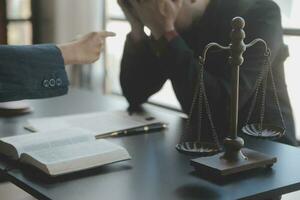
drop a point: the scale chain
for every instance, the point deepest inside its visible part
(257, 88)
(195, 97)
(214, 131)
(262, 85)
(200, 95)
(276, 95)
(263, 99)
(200, 105)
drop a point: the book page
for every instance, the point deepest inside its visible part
(76, 156)
(99, 123)
(48, 140)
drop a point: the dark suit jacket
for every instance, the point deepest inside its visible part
(143, 72)
(29, 72)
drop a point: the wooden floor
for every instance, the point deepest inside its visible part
(10, 192)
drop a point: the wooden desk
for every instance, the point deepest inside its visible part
(156, 172)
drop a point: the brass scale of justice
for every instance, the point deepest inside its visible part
(235, 158)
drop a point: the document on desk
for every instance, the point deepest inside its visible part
(100, 123)
(62, 151)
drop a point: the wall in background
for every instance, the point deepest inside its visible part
(61, 21)
(44, 17)
(74, 17)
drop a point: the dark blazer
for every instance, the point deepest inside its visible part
(144, 71)
(29, 72)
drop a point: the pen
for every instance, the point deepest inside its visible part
(150, 128)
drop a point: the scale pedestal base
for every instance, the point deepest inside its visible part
(216, 165)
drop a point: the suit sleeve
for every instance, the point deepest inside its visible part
(30, 72)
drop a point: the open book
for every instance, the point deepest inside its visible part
(61, 152)
(101, 124)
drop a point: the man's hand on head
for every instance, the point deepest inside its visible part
(150, 16)
(137, 27)
(158, 15)
(169, 9)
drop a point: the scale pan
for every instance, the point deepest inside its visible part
(201, 149)
(266, 131)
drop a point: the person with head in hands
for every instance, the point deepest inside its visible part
(180, 29)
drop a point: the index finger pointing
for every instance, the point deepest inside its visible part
(107, 34)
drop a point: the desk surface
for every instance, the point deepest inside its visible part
(156, 171)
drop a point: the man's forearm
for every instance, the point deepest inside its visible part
(141, 75)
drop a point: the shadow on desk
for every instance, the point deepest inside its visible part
(194, 191)
(35, 175)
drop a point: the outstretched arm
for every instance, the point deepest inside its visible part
(38, 71)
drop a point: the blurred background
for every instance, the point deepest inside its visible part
(56, 21)
(24, 22)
